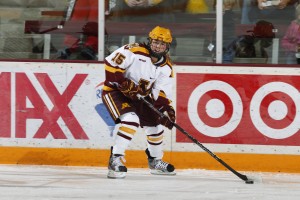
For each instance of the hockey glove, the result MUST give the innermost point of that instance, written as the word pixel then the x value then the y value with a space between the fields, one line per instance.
pixel 129 89
pixel 168 121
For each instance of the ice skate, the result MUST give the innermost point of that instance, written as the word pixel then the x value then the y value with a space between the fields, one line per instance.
pixel 158 166
pixel 116 167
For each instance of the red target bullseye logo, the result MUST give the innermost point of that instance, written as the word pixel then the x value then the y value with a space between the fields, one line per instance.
pixel 221 102
pixel 269 111
pixel 275 112
pixel 240 108
pixel 215 108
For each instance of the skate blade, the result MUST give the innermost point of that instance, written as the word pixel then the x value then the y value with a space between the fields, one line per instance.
pixel 160 172
pixel 116 175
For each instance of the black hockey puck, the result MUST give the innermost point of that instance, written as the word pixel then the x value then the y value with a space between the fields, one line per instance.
pixel 249 181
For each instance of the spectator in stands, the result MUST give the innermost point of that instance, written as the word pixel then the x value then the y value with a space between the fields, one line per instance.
pixel 270 10
pixel 145 11
pixel 193 11
pixel 245 7
pixel 82 11
pixel 228 24
pixel 196 6
pixel 142 11
pixel 251 46
pixel 228 5
pixel 228 21
pixel 291 40
pixel 83 45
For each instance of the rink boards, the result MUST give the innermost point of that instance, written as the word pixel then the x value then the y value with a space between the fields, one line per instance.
pixel 52 113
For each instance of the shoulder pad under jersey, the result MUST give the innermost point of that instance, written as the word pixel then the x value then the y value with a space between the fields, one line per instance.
pixel 137 48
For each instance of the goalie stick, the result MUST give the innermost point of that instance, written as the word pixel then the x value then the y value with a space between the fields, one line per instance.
pixel 241 176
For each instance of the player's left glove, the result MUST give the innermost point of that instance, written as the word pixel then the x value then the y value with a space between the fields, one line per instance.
pixel 168 121
pixel 129 89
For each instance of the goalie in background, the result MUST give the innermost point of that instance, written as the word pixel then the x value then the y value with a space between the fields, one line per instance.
pixel 251 46
pixel 140 69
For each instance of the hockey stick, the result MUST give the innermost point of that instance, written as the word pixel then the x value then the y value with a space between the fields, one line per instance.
pixel 241 176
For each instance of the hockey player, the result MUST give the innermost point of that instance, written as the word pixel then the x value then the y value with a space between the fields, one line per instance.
pixel 143 69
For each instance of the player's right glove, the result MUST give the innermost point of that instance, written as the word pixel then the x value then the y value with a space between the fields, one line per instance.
pixel 168 121
pixel 129 89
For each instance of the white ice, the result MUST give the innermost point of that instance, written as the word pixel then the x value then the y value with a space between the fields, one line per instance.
pixel 28 182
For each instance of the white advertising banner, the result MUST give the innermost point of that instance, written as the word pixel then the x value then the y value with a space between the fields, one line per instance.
pixel 53 105
pixel 229 109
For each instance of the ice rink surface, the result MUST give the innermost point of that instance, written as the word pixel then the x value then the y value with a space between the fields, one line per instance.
pixel 28 182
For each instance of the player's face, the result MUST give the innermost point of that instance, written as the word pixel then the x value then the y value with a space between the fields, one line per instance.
pixel 158 46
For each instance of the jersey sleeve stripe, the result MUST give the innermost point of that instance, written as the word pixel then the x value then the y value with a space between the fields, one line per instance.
pixel 113 69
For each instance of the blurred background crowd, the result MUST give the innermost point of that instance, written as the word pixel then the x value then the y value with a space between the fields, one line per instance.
pixel 253 31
